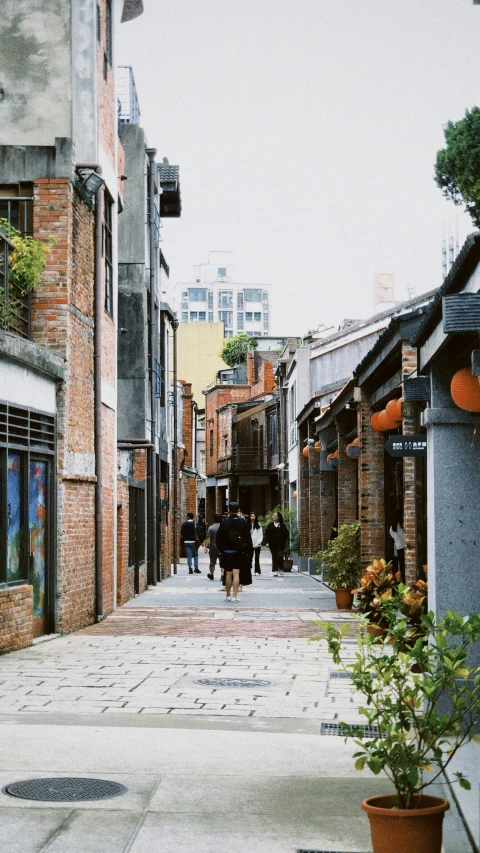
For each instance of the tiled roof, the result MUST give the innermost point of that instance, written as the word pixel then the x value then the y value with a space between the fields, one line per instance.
pixel 168 174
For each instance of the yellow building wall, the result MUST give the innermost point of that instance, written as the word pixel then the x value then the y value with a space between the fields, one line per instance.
pixel 198 360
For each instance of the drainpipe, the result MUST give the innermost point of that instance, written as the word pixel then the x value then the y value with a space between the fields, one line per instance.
pixel 152 476
pixel 97 388
pixel 175 448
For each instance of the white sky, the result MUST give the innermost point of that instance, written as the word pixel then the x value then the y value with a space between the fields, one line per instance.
pixel 306 133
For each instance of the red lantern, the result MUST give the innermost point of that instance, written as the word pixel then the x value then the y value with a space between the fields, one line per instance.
pixel 330 457
pixel 335 455
pixel 384 422
pixel 294 495
pixel 394 411
pixel 465 390
pixel 306 450
pixel 356 442
pixel 318 446
pixel 374 420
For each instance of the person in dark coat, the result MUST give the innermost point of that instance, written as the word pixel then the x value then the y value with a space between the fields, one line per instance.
pixel 276 537
pixel 234 543
pixel 191 537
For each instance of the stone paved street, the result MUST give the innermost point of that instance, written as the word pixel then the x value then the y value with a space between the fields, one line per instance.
pixel 208 768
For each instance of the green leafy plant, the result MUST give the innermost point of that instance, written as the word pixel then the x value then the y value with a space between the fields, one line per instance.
pixel 341 557
pixel 378 584
pixel 290 519
pixel 27 260
pixel 234 350
pixel 457 167
pixel 425 701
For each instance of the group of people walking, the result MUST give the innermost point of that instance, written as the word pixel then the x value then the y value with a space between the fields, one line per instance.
pixel 235 542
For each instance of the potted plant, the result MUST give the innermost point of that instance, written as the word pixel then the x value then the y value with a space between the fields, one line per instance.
pixel 422 720
pixel 377 585
pixel 342 566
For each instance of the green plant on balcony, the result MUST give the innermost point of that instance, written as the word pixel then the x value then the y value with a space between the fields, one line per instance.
pixel 26 261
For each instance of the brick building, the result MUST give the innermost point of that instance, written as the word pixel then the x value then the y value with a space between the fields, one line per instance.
pixel 59 161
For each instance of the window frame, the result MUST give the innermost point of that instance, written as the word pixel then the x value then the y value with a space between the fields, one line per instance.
pixel 108 253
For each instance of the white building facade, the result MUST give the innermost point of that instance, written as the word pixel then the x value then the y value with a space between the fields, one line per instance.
pixel 217 297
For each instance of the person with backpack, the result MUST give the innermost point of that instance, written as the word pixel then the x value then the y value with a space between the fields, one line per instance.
pixel 276 537
pixel 234 543
pixel 191 538
pixel 211 545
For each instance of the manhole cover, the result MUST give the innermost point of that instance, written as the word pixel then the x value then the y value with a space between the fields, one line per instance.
pixel 65 789
pixel 341 731
pixel 233 682
pixel 340 675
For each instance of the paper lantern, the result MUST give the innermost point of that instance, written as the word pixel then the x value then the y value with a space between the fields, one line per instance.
pixel 384 422
pixel 392 409
pixel 329 458
pixel 465 390
pixel 399 408
pixel 306 450
pixel 318 446
pixel 335 455
pixel 356 442
pixel 374 420
pixel 294 495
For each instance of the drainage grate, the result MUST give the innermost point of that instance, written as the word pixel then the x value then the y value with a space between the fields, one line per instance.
pixel 233 682
pixel 65 790
pixel 340 730
pixel 340 675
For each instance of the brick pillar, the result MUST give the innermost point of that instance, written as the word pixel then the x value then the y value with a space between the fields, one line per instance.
pixel 314 517
pixel 347 483
pixel 410 426
pixel 218 500
pixel 328 509
pixel 187 423
pixel 303 497
pixel 371 485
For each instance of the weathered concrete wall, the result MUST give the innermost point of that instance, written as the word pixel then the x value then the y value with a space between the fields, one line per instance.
pixel 35 71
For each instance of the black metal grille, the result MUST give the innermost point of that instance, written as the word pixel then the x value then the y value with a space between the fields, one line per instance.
pixel 27 428
pixel 233 682
pixel 339 730
pixel 341 675
pixel 65 790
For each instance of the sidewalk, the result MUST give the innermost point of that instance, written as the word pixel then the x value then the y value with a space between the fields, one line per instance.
pixel 208 768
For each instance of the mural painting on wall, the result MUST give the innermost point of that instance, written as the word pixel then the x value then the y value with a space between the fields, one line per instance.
pixel 14 492
pixel 37 517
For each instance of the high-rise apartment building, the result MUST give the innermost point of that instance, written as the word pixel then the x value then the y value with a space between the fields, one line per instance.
pixel 217 297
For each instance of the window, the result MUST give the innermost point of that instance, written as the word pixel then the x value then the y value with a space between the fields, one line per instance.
pixel 210 316
pixel 184 294
pixel 108 251
pixel 225 299
pixel 184 303
pixel 228 333
pixel 109 33
pixel 225 445
pixel 257 334
pixel 202 316
pixel 222 271
pixel 198 294
pixel 265 298
pixel 210 298
pixel 193 316
pixel 226 317
pixel 257 316
pixel 184 316
pixel 211 443
pixel 265 321
pixel 248 317
pixel 240 301
pixel 16 205
pixel 202 462
pixel 253 295
pixel 240 321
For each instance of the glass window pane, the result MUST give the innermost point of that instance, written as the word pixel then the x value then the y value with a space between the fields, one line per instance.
pixel 37 525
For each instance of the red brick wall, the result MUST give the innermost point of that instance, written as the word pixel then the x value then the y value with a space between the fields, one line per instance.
pixel 314 513
pixel 347 484
pixel 140 465
pixel 217 397
pixel 303 490
pixel 76 555
pixel 16 621
pixel 106 92
pixel 109 507
pixel 411 425
pixel 371 485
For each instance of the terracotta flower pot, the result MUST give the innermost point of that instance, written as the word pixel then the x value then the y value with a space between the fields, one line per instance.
pixel 416 830
pixel 376 630
pixel 344 599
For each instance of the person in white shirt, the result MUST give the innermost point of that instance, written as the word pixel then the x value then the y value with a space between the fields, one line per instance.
pixel 256 532
pixel 398 536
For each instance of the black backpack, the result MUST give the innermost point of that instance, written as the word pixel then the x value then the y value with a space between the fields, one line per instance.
pixel 228 538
